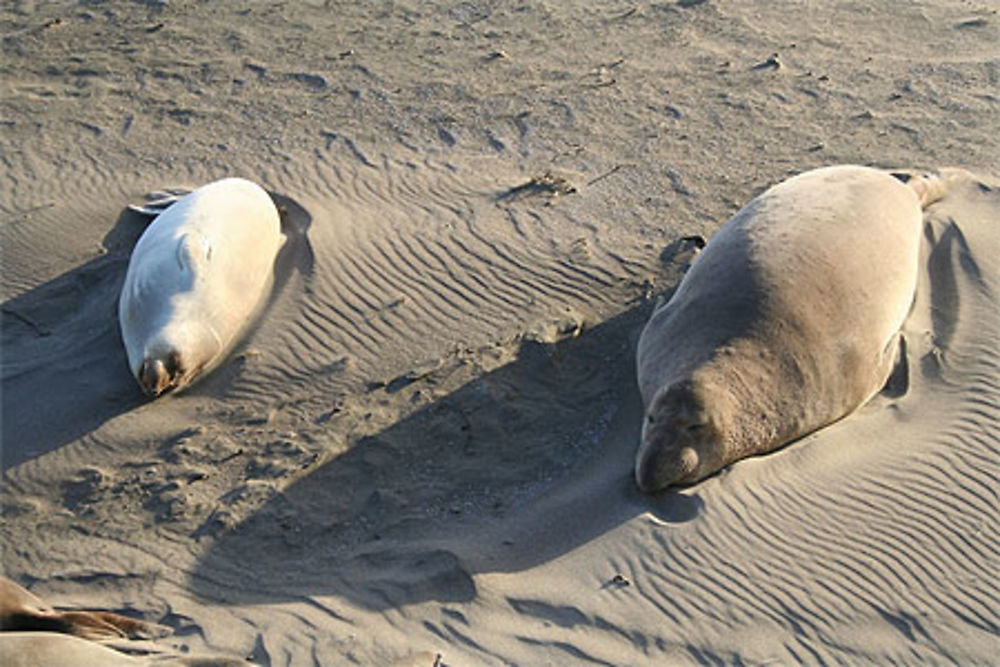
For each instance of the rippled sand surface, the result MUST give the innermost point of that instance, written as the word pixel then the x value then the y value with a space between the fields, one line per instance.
pixel 423 449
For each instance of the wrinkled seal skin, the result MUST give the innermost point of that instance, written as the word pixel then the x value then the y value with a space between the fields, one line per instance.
pixel 787 321
pixel 197 276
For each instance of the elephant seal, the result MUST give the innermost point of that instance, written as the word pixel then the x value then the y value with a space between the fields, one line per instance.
pixel 36 635
pixel 196 278
pixel 47 649
pixel 787 321
pixel 21 610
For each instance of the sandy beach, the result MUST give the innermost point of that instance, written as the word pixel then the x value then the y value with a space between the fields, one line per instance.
pixel 422 453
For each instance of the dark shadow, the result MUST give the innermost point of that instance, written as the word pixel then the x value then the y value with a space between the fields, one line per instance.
pixel 64 370
pixel 296 254
pixel 547 184
pixel 670 506
pixel 950 253
pixel 898 382
pixel 511 470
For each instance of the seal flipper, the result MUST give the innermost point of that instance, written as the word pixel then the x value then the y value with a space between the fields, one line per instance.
pixel 296 251
pixel 159 201
pixel 104 625
pixel 22 611
pixel 929 188
pixel 193 251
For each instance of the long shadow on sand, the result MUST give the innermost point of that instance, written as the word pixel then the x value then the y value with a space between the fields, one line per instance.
pixel 513 469
pixel 64 370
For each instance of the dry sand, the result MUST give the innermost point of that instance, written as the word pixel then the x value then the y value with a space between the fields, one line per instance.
pixel 425 447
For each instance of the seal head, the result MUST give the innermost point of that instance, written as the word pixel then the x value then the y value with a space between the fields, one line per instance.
pixel 175 358
pixel 681 439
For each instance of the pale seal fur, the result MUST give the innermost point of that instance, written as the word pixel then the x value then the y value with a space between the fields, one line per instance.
pixel 196 278
pixel 787 321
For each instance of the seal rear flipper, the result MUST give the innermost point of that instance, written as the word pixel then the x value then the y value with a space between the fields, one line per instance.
pixel 928 187
pixel 93 625
pixel 159 201
pixel 295 250
pixel 101 625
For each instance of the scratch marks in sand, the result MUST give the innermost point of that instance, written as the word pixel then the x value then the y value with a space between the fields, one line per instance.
pixel 409 254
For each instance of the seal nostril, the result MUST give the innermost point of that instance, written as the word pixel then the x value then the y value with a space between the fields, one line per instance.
pixel 158 375
pixel 150 376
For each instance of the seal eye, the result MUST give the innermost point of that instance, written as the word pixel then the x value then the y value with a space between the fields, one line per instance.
pixel 649 418
pixel 695 429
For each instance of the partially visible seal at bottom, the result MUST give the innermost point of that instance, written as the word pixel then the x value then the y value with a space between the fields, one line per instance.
pixel 36 635
pixel 21 610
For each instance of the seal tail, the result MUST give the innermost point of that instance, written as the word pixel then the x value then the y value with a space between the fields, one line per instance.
pixel 928 187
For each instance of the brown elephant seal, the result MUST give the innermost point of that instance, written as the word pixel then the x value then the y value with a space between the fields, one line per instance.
pixel 21 610
pixel 196 278
pixel 787 321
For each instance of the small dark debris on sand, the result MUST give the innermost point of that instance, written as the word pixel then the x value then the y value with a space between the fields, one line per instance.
pixel 546 184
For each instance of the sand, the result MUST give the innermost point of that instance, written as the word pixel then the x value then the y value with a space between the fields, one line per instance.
pixel 423 451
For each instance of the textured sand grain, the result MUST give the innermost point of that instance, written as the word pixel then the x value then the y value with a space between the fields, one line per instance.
pixel 425 445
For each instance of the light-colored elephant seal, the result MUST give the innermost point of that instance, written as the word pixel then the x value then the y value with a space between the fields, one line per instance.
pixel 787 321
pixel 196 278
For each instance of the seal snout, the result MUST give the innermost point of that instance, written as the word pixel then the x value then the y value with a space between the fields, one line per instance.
pixel 657 468
pixel 160 374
